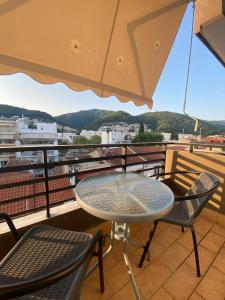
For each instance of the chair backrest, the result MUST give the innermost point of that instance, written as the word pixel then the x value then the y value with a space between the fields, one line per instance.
pixel 206 183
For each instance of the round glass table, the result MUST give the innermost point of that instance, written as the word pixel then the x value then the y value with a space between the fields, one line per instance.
pixel 124 198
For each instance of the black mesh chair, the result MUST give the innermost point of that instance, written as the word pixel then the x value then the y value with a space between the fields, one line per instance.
pixel 48 263
pixel 187 208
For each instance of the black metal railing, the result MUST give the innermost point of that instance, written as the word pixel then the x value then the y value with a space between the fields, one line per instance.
pixel 154 153
pixel 151 158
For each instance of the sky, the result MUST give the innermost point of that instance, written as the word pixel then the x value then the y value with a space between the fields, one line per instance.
pixel 206 91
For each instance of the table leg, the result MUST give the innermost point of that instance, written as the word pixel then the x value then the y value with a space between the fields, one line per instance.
pixel 129 269
pixel 120 231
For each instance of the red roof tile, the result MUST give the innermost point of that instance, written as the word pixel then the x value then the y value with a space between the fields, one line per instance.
pixel 26 190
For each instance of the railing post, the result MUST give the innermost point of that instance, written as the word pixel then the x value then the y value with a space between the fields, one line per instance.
pixel 124 152
pixel 76 177
pixel 164 148
pixel 46 183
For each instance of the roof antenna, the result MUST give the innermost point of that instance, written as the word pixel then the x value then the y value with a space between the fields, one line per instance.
pixel 188 73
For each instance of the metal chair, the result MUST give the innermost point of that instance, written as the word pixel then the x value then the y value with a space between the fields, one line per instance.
pixel 187 208
pixel 48 263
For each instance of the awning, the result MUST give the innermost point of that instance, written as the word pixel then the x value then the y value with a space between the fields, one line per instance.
pixel 113 47
pixel 210 26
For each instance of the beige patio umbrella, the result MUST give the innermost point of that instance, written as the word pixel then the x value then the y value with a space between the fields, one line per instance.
pixel 113 47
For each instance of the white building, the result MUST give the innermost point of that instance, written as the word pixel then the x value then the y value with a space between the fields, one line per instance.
pixel 166 136
pixel 62 128
pixel 24 131
pixel 66 136
pixel 115 135
pixel 7 131
pixel 35 132
pixel 184 137
pixel 89 133
pixel 7 138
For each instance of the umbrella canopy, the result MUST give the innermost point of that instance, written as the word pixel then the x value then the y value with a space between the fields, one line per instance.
pixel 113 47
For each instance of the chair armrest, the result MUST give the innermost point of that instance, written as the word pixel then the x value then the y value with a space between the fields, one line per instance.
pixel 9 222
pixel 197 196
pixel 20 289
pixel 178 172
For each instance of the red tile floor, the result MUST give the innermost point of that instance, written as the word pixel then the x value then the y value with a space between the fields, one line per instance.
pixel 170 273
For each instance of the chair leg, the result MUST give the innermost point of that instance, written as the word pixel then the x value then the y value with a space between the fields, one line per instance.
pixel 182 228
pixel 146 248
pixel 196 251
pixel 100 265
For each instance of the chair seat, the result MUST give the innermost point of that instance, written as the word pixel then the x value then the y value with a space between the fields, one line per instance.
pixel 44 249
pixel 178 215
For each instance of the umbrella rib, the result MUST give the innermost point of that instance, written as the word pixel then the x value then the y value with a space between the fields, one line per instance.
pixel 11 5
pixel 109 43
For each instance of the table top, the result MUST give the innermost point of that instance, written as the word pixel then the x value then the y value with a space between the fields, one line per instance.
pixel 124 197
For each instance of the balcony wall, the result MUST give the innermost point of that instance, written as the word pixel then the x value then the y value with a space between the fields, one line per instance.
pixel 214 163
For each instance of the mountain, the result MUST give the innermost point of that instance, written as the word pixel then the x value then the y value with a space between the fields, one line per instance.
pixel 10 111
pixel 163 121
pixel 81 119
pixel 94 118
pixel 220 124
pixel 174 122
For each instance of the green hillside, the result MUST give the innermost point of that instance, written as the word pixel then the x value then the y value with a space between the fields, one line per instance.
pixel 173 122
pixel 163 121
pixel 159 121
pixel 81 119
pixel 109 118
pixel 10 111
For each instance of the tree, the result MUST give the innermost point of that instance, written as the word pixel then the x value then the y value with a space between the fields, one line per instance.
pixel 148 137
pixel 174 136
pixel 95 139
pixel 141 128
pixel 80 140
pixel 63 142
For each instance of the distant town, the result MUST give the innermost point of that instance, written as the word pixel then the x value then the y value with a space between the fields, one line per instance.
pixel 22 130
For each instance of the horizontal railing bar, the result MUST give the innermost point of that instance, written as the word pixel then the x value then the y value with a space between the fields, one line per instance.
pixel 51 178
pixel 61 202
pixel 67 187
pixel 83 160
pixel 88 146
pixel 13 200
pixel 21 168
pixel 39 208
pixel 144 162
pixel 148 169
pixel 21 183
pixel 74 161
pixel 143 154
pixel 208 144
pixel 65 175
pixel 100 158
pixel 99 170
pixel 40 180
pixel 26 212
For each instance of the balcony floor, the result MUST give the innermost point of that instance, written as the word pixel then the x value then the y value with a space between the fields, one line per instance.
pixel 170 273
